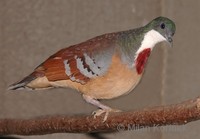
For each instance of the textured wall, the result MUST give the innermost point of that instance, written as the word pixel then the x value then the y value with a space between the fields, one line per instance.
pixel 32 30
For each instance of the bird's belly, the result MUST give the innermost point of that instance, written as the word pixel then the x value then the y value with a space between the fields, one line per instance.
pixel 111 87
pixel 105 87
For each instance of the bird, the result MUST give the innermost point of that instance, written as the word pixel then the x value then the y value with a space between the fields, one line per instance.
pixel 104 67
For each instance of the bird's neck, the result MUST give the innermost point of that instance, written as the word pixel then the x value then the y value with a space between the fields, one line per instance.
pixel 151 38
pixel 137 48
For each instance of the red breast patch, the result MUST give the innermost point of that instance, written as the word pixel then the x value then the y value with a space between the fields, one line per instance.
pixel 142 59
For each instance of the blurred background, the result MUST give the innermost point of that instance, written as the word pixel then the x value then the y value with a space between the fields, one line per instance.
pixel 32 30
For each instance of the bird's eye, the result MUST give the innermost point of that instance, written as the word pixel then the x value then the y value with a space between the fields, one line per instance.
pixel 162 26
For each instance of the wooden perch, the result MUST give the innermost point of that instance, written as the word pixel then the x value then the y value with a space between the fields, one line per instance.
pixel 177 114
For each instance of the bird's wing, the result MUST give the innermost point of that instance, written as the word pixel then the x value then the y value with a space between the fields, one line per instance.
pixel 80 62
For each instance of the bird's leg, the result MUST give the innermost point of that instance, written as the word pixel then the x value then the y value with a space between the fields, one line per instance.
pixel 103 108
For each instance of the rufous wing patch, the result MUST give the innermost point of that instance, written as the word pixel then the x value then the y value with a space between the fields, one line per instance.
pixel 76 75
pixel 59 68
pixel 54 69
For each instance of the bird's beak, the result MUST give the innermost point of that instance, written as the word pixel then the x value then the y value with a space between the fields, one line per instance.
pixel 169 39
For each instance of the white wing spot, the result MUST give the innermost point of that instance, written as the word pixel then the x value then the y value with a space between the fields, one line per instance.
pixel 83 70
pixel 90 62
pixel 57 58
pixel 67 68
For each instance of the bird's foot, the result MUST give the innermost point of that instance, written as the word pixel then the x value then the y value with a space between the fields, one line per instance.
pixel 103 108
pixel 106 111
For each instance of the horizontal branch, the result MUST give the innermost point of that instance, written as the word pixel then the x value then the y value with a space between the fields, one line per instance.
pixel 176 114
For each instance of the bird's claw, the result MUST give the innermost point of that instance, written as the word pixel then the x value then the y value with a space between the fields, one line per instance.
pixel 102 111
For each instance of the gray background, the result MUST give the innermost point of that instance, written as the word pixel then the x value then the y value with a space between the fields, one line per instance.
pixel 32 30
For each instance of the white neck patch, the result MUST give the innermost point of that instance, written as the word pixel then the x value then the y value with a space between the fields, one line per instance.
pixel 151 38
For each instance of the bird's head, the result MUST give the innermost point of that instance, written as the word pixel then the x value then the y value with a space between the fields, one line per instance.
pixel 164 26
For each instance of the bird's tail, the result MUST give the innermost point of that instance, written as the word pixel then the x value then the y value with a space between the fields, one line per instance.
pixel 22 84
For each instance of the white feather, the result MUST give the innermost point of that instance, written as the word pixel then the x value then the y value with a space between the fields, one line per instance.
pixel 81 68
pixel 151 38
pixel 92 65
pixel 67 68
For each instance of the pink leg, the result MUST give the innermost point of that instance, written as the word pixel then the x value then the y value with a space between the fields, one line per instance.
pixel 95 102
pixel 103 108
